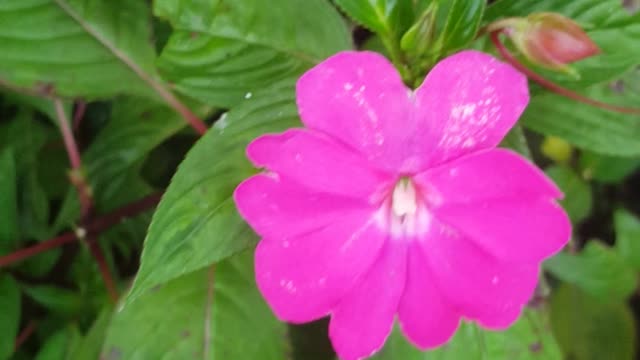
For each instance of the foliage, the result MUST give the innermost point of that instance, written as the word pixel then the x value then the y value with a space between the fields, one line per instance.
pixel 128 280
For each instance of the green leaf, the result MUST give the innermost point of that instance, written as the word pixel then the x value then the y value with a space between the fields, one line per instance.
pixel 56 299
pixel 517 141
pixel 136 127
pixel 9 315
pixel 214 314
pixel 587 329
pixel 586 127
pixel 461 26
pixel 59 345
pixel 223 51
pixel 606 22
pixel 627 228
pixel 90 345
pixel 597 269
pixel 9 231
pixel 196 223
pixel 605 168
pixel 389 18
pixel 527 339
pixel 89 48
pixel 577 199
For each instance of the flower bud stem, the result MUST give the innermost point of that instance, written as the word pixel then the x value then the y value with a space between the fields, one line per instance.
pixel 548 84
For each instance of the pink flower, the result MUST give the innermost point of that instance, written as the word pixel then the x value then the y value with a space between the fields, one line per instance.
pixel 394 203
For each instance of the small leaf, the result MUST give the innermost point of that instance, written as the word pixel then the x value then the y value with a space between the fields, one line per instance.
pixel 9 315
pixel 627 228
pixel 59 345
pixel 214 314
pixel 136 127
pixel 90 345
pixel 462 24
pixel 9 231
pixel 597 269
pixel 389 18
pixel 56 299
pixel 517 141
pixel 588 329
pixel 196 223
pixel 577 199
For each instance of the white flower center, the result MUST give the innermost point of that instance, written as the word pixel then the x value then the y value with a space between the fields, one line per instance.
pixel 403 200
pixel 406 213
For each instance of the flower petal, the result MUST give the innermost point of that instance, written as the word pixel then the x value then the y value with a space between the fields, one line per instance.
pixel 318 162
pixel 514 230
pixel 426 316
pixel 469 101
pixel 304 277
pixel 485 175
pixel 482 287
pixel 364 318
pixel 275 206
pixel 359 98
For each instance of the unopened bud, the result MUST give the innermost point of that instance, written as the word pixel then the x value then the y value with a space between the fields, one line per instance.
pixel 547 39
pixel 420 36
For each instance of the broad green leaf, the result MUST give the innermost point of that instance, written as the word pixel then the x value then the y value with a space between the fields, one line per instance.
pixel 587 329
pixel 90 48
pixel 527 339
pixel 136 127
pixel 627 227
pixel 614 30
pixel 584 126
pixel 59 345
pixel 597 269
pixel 577 199
pixel 214 313
pixel 607 169
pixel 9 230
pixel 196 223
pixel 461 26
pixel 223 51
pixel 517 141
pixel 9 315
pixel 389 18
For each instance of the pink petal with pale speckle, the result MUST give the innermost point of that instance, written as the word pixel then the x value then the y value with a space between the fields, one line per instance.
pixel 470 101
pixel 304 277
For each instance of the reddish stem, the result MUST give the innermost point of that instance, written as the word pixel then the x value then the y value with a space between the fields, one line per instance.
pixel 81 108
pixel 25 334
pixel 196 123
pixel 76 177
pixel 98 255
pixel 94 227
pixel 504 52
pixel 67 135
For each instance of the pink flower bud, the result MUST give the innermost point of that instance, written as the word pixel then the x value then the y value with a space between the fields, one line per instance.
pixel 547 39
